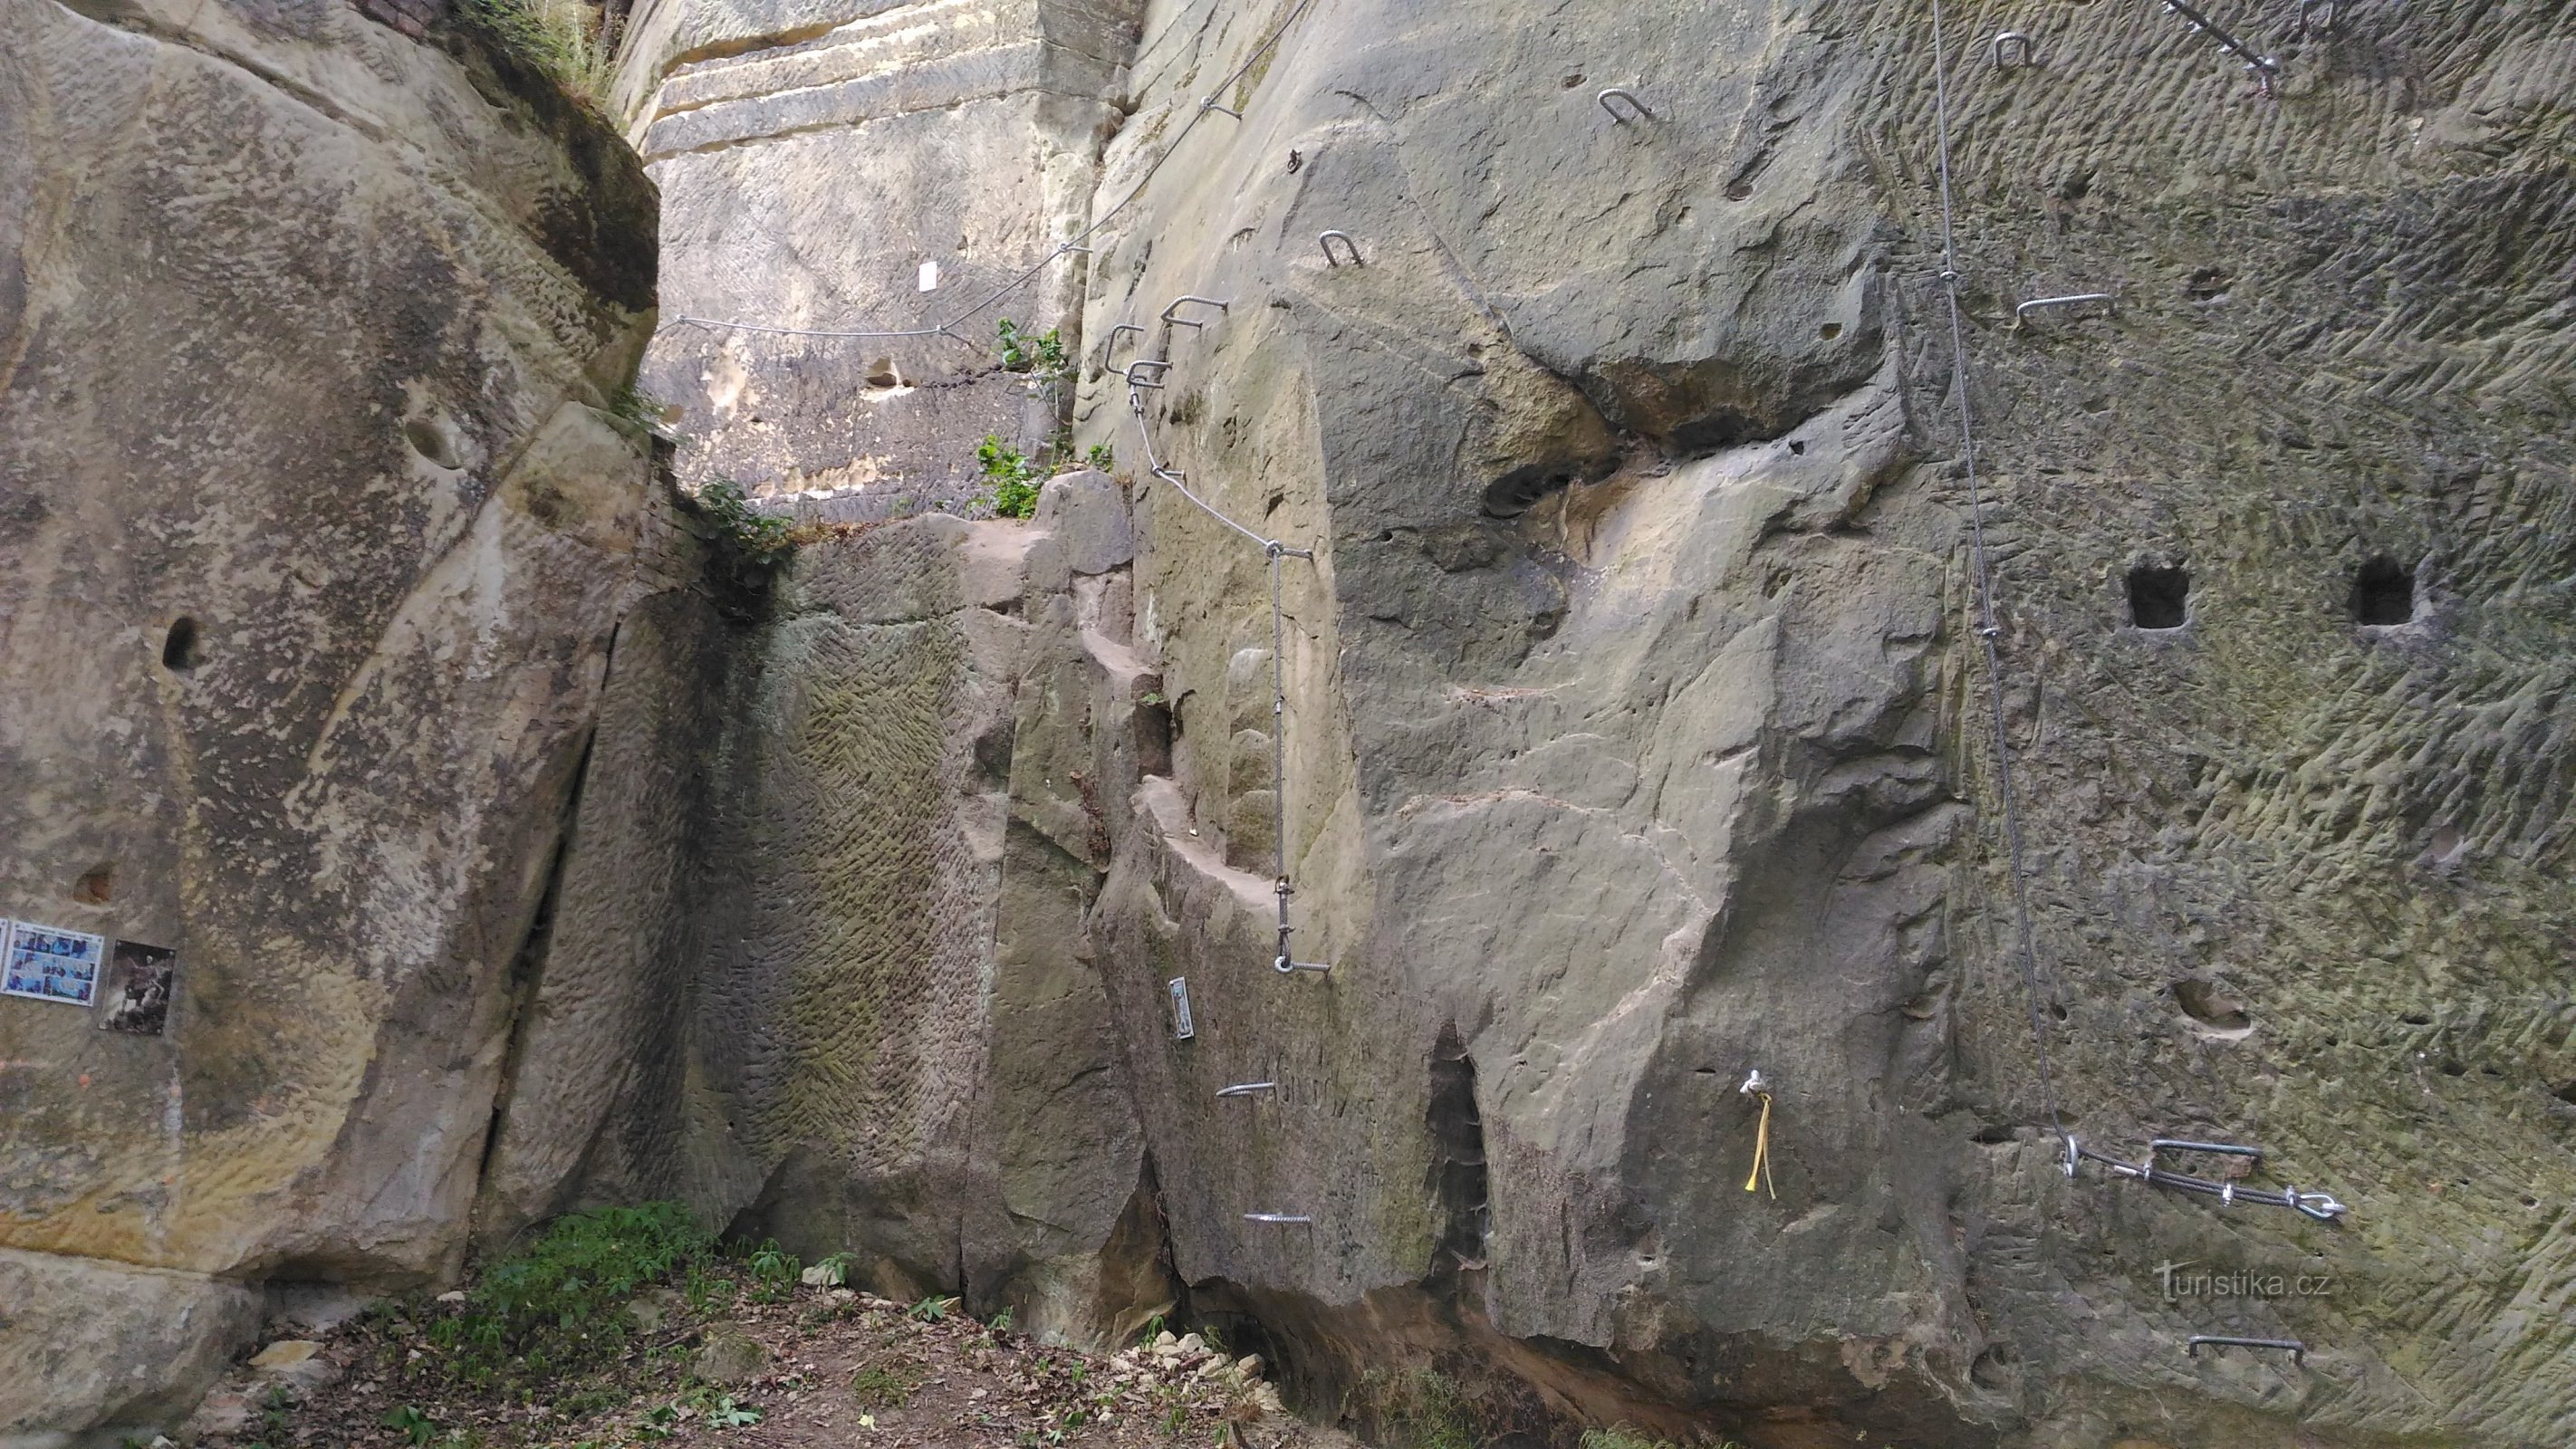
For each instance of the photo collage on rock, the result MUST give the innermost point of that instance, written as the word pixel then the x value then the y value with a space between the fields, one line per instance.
pixel 48 963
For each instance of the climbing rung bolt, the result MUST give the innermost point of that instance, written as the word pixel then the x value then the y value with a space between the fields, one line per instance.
pixel 1183 1028
pixel 2110 307
pixel 1170 312
pixel 2297 1351
pixel 1622 93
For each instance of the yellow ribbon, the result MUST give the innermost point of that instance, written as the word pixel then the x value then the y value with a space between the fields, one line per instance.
pixel 1761 1172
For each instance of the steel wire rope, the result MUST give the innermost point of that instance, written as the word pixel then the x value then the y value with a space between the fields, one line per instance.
pixel 1071 244
pixel 1987 630
pixel 1274 552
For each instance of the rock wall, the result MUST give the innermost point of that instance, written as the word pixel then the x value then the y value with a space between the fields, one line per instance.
pixel 1605 795
pixel 1638 725
pixel 320 526
pixel 861 166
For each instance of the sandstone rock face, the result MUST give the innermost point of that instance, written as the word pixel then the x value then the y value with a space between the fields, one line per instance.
pixel 1681 772
pixel 856 166
pixel 773 989
pixel 320 525
pixel 1638 730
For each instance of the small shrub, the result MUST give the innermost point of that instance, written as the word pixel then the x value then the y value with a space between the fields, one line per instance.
pixel 932 1309
pixel 412 1424
pixel 834 1270
pixel 1424 1410
pixel 632 404
pixel 1014 479
pixel 762 536
pixel 1002 1321
pixel 1102 457
pixel 1041 353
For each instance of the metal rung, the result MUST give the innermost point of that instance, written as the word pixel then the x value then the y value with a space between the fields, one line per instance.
pixel 1111 345
pixel 2298 1351
pixel 1277 1218
pixel 1284 965
pixel 2022 312
pixel 1208 103
pixel 2014 51
pixel 1129 372
pixel 1625 94
pixel 1180 302
pixel 1326 242
pixel 1183 1027
pixel 1246 1089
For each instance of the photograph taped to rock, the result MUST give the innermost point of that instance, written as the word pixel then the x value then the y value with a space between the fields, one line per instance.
pixel 52 965
pixel 143 979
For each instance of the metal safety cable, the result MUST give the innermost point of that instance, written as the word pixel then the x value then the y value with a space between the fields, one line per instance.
pixel 1275 551
pixel 1987 630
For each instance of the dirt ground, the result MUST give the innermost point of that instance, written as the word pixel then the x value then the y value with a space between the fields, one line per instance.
pixel 794 1366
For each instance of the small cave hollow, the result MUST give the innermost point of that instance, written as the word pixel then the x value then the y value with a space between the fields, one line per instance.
pixel 2210 1004
pixel 2383 593
pixel 1153 725
pixel 97 885
pixel 2159 596
pixel 181 649
pixel 1516 492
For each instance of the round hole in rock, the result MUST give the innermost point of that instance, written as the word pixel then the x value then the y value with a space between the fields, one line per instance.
pixel 96 885
pixel 2159 596
pixel 430 441
pixel 2205 1002
pixel 2383 593
pixel 179 649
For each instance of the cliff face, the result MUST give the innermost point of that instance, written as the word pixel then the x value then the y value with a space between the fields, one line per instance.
pixel 1638 729
pixel 1639 722
pixel 319 526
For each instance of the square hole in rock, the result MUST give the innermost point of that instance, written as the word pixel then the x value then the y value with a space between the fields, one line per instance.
pixel 2383 593
pixel 2159 597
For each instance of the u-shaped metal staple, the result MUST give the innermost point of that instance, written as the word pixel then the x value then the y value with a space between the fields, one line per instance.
pixel 1625 94
pixel 2015 51
pixel 2297 1351
pixel 1326 242
pixel 1111 346
pixel 1208 103
pixel 2317 17
pixel 2022 313
pixel 1129 372
pixel 1300 1218
pixel 1179 302
pixel 1246 1089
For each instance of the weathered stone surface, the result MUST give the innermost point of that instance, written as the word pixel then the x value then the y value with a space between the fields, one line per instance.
pixel 319 529
pixel 814 159
pixel 729 1356
pixel 1680 773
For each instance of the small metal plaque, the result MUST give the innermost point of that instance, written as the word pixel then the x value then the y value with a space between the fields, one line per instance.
pixel 1183 1028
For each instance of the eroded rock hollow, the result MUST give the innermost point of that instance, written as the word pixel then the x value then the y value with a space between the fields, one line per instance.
pixel 1532 517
